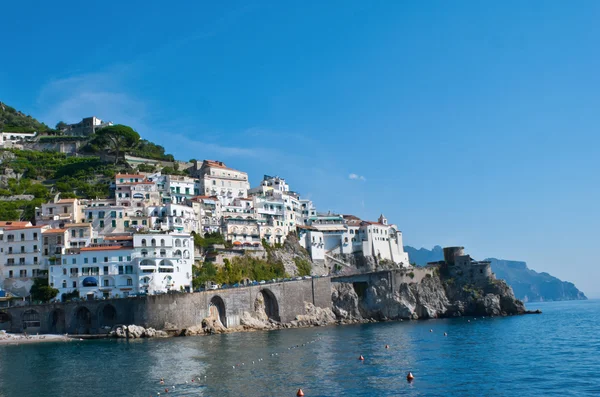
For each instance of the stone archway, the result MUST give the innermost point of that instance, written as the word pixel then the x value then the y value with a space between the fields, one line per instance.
pixel 216 310
pixel 5 321
pixel 107 316
pixel 31 321
pixel 57 322
pixel 83 320
pixel 266 303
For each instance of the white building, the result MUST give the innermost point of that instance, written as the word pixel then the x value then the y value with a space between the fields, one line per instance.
pixel 216 179
pixel 20 256
pixel 182 188
pixel 154 263
pixel 9 139
pixel 208 212
pixel 329 235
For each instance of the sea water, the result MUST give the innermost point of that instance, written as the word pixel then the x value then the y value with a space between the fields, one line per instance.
pixel 555 353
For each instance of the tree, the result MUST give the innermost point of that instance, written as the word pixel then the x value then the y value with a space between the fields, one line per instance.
pixel 41 291
pixel 116 138
pixel 61 125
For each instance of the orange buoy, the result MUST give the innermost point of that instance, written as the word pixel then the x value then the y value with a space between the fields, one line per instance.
pixel 410 377
pixel 166 390
pixel 361 358
pixel 300 393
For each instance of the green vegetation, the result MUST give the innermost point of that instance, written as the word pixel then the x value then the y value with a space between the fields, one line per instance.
pixel 149 150
pixel 117 139
pixel 12 120
pixel 304 267
pixel 208 239
pixel 41 292
pixel 61 138
pixel 411 275
pixel 232 272
pixel 67 297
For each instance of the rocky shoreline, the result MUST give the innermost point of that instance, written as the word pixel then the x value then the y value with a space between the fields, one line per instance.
pixel 432 297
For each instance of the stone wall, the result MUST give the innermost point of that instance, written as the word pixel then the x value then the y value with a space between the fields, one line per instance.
pixel 176 311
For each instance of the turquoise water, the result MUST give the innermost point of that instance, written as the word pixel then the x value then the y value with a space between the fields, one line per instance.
pixel 556 353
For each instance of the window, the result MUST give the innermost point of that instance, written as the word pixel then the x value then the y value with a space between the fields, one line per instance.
pixel 129 258
pixel 144 222
pixel 35 248
pixel 64 272
pixel 74 284
pixel 23 273
pixel 129 282
pixel 35 260
pixel 126 223
pixel 120 269
pixel 106 283
pixel 94 260
pixel 101 223
pixel 22 249
pixel 162 242
pixel 114 223
pixel 105 270
pixel 10 274
pixel 73 232
pixel 153 242
pixel 85 260
pixel 143 242
pixel 46 240
pixel 120 259
pixel 35 236
pixel 21 261
pixel 113 214
pixel 80 233
pixel 22 236
pixel 106 259
pixel 64 284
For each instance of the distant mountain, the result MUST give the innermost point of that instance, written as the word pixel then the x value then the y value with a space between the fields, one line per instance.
pixel 528 285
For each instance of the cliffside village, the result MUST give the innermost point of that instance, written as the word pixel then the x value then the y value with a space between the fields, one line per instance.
pixel 140 241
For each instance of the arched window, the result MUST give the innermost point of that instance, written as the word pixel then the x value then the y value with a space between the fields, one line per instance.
pixel 153 242
pixel 177 253
pixel 163 252
pixel 177 243
pixel 144 253
pixel 185 243
pixel 143 242
pixel 186 254
pixel 162 242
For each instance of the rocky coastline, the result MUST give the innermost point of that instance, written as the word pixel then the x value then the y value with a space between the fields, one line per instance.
pixel 433 296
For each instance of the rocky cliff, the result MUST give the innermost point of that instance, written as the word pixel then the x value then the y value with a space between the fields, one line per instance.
pixel 434 296
pixel 527 284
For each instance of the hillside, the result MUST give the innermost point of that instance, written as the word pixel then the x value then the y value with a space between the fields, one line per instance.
pixel 44 173
pixel 528 285
pixel 13 120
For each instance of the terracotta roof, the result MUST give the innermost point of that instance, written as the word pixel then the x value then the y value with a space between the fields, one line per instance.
pixel 118 238
pixel 104 248
pixel 21 227
pixel 129 176
pixel 53 231
pixel 14 223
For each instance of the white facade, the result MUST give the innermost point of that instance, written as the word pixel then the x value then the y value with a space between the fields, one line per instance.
pixel 216 179
pixel 156 263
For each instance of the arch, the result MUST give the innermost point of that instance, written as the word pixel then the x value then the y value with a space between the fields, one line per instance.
pixel 216 308
pixel 267 302
pixel 153 242
pixel 31 320
pixel 186 254
pixel 83 320
pixel 5 321
pixel 147 262
pixel 177 242
pixel 162 242
pixel 107 316
pixel 177 254
pixel 143 242
pixel 185 243
pixel 58 322
pixel 165 262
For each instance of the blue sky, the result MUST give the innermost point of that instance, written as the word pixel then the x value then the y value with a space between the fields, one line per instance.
pixel 471 123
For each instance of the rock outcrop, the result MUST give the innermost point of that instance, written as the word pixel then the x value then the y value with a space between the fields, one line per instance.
pixel 136 332
pixel 431 297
